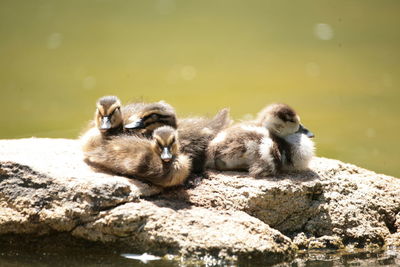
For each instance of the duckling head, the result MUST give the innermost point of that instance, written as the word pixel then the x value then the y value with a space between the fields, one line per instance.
pixel 108 113
pixel 282 120
pixel 151 116
pixel 165 143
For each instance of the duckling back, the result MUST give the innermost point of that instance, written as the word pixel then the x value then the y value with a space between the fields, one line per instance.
pixel 244 148
pixel 196 133
pixel 134 156
pixel 125 155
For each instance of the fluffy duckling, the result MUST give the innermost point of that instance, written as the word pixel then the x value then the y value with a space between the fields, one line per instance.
pixel 292 138
pixel 108 121
pixel 108 116
pixel 196 133
pixel 155 160
pixel 144 118
pixel 275 141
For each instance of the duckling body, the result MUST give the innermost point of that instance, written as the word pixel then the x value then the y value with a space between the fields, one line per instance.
pixel 244 148
pixel 155 160
pixel 196 133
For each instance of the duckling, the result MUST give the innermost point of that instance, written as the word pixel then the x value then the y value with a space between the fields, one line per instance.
pixel 275 141
pixel 156 160
pixel 196 133
pixel 292 138
pixel 107 122
pixel 144 118
pixel 108 116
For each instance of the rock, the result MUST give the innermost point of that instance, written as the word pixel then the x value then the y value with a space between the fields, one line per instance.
pixel 323 242
pixel 331 199
pixel 157 227
pixel 46 189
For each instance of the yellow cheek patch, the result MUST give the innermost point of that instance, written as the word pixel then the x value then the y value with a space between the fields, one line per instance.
pixel 148 113
pixel 100 110
pixel 171 139
pixel 112 108
pixel 160 141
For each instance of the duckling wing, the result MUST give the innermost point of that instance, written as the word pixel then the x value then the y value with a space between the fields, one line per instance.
pixel 133 156
pixel 220 121
pixel 126 155
pixel 196 133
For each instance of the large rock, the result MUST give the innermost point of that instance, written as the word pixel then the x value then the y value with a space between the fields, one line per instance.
pixel 46 189
pixel 354 205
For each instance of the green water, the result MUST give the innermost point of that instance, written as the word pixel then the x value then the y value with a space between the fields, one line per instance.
pixel 109 258
pixel 336 62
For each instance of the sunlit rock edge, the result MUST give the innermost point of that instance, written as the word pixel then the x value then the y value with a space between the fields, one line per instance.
pixel 46 189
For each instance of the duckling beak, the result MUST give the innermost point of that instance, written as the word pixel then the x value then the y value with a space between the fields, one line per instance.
pixel 166 154
pixel 305 131
pixel 105 123
pixel 135 125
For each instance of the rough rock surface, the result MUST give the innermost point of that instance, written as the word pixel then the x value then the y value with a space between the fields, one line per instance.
pixel 46 188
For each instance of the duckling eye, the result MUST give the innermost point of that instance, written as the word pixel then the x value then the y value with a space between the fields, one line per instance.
pixel 172 141
pixel 159 144
pixel 154 116
pixel 287 119
pixel 112 113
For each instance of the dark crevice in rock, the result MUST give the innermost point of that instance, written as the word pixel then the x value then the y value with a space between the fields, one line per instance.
pixel 116 205
pixel 170 203
pixel 391 227
pixel 316 196
pixel 390 222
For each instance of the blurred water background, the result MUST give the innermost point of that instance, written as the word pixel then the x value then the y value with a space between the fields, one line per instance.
pixel 336 62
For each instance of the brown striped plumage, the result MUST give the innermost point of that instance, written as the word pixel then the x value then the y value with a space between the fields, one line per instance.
pixel 139 157
pixel 144 118
pixel 141 121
